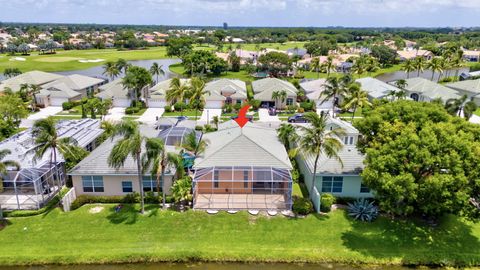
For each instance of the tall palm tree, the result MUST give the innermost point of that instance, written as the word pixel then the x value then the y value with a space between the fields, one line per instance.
pixel 419 64
pixel 130 144
pixel 356 98
pixel 137 79
pixel 435 66
pixel 329 65
pixel 287 134
pixel 122 65
pixel 408 66
pixel 46 140
pixel 316 139
pixel 401 84
pixel 194 145
pixel 458 106
pixel 177 91
pixel 315 66
pixel 4 164
pixel 197 93
pixel 34 90
pixel 334 88
pixel 158 158
pixel 156 70
pixel 111 70
pixel 279 96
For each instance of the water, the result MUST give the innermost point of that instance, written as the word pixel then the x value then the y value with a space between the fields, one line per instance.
pixel 427 74
pixel 207 266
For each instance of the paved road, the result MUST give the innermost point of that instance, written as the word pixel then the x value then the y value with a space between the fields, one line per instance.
pixel 43 113
pixel 150 115
pixel 265 117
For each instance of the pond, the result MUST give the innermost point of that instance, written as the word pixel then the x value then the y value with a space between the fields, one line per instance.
pixel 427 74
pixel 207 266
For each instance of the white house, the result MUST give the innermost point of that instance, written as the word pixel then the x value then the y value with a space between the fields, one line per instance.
pixel 224 91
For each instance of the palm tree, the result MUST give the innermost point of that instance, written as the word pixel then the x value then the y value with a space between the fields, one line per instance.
pixel 215 121
pixel 34 90
pixel 197 93
pixel 401 84
pixel 456 106
pixel 315 65
pixel 419 64
pixel 279 96
pixel 408 66
pixel 434 65
pixel 46 139
pixel 328 65
pixel 122 65
pixel 181 191
pixel 130 144
pixel 137 79
pixel 177 91
pixel 157 156
pixel 111 70
pixel 156 70
pixel 334 88
pixel 287 134
pixel 194 145
pixel 4 164
pixel 357 98
pixel 316 139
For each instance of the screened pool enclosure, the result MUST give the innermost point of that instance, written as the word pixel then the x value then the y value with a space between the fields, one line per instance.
pixel 242 187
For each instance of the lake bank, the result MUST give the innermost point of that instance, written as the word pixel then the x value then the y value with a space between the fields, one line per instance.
pixel 87 237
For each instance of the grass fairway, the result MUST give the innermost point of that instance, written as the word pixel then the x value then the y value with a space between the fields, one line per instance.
pixel 68 60
pixel 84 237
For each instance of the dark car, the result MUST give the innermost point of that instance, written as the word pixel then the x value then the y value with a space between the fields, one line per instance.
pixel 181 118
pixel 297 118
pixel 272 111
pixel 249 117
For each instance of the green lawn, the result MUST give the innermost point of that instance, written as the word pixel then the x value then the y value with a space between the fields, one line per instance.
pixel 67 117
pixel 184 113
pixel 241 75
pixel 84 237
pixel 477 112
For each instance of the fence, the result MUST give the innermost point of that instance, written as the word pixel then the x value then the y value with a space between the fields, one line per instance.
pixel 68 199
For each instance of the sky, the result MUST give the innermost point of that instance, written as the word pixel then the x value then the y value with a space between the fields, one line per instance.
pixel 318 13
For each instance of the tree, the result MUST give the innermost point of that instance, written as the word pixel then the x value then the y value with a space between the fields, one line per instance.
pixel 279 96
pixel 419 64
pixel 23 49
pixel 234 61
pixel 11 48
pixel 287 134
pixel 11 72
pixel 111 70
pixel 335 88
pixel 4 164
pixel 157 157
pixel 275 63
pixel 203 62
pixel 129 144
pixel 181 191
pixel 29 92
pixel 328 65
pixel 320 47
pixel 434 65
pixel 177 92
pixel 179 46
pixel 408 66
pixel 137 79
pixel 193 144
pixel 215 121
pixel 315 66
pixel 356 98
pixel 384 54
pixel 316 139
pixel 461 106
pixel 12 109
pixel 420 160
pixel 197 93
pixel 122 65
pixel 156 70
pixel 47 141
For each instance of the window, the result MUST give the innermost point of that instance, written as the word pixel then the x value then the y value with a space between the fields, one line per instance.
pixel 216 176
pixel 364 189
pixel 348 140
pixel 333 184
pixel 245 179
pixel 127 186
pixel 92 183
pixel 289 101
pixel 150 184
pixel 239 101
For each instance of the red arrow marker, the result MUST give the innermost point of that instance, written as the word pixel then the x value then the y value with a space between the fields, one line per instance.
pixel 241 118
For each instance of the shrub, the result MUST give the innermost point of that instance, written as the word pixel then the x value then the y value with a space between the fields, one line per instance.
pixel 209 128
pixel 475 67
pixel 345 200
pixel 138 103
pixel 254 103
pixel 307 105
pixel 447 79
pixel 227 108
pixel 180 106
pixel 132 110
pixel 291 108
pixel 67 105
pixel 326 201
pixel 302 206
pixel 363 210
pixel 85 199
pixel 237 106
pixel 168 108
pixel 301 110
pixel 199 128
pixel 151 198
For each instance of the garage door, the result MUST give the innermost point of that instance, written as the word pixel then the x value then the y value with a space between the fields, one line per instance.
pixel 214 104
pixel 57 101
pixel 121 102
pixel 156 103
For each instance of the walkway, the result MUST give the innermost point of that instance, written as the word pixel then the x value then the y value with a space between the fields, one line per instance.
pixel 208 115
pixel 475 119
pixel 43 113
pixel 115 114
pixel 150 115
pixel 265 117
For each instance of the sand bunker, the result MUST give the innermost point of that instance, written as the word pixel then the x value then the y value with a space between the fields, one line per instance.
pixel 91 60
pixel 18 59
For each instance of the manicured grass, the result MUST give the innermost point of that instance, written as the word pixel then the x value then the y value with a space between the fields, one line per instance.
pixel 66 117
pixel 184 113
pixel 358 113
pixel 68 60
pixel 276 46
pixel 77 110
pixel 477 112
pixel 127 236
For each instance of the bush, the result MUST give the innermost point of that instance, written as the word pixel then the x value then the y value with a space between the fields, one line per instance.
pixel 138 103
pixel 237 106
pixel 254 103
pixel 307 105
pixel 363 210
pixel 345 200
pixel 67 105
pixel 209 128
pixel 168 108
pixel 130 198
pixel 302 206
pixel 301 110
pixel 132 110
pixel 326 201
pixel 180 106
pixel 475 67
pixel 447 79
pixel 199 128
pixel 291 108
pixel 227 108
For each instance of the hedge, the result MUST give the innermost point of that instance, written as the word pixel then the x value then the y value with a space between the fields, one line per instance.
pixel 127 199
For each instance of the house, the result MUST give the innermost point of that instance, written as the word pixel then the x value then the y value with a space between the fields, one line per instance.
pixel 420 89
pixel 341 179
pixel 243 169
pixel 39 180
pixel 93 175
pixel 409 54
pixel 471 56
pixel 68 88
pixel 34 77
pixel 158 93
pixel 224 91
pixel 470 88
pixel 297 52
pixel 263 90
pixel 115 91
pixel 375 88
pixel 314 91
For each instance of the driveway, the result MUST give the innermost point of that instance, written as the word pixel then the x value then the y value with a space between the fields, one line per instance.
pixel 208 114
pixel 115 114
pixel 43 113
pixel 265 117
pixel 474 119
pixel 150 115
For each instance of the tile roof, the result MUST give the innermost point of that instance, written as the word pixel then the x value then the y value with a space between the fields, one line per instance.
pixel 471 86
pixel 376 88
pixel 31 77
pixel 430 89
pixel 264 88
pixel 217 89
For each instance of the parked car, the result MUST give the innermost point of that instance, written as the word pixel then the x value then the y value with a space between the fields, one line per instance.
pixel 272 111
pixel 181 118
pixel 249 117
pixel 297 118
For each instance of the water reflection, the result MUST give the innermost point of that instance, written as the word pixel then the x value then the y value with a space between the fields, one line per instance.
pixel 427 74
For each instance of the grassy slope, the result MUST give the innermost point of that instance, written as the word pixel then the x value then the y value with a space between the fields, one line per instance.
pixel 68 60
pixel 82 237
